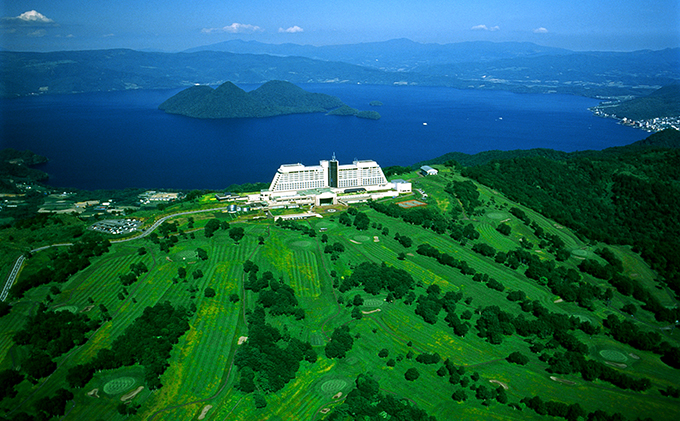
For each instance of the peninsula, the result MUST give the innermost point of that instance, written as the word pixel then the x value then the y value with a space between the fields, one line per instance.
pixel 229 101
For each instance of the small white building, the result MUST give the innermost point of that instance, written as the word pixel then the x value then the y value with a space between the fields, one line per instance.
pixel 427 170
pixel 401 186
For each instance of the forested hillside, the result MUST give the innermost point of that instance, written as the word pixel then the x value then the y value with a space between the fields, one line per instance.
pixel 229 101
pixel 628 197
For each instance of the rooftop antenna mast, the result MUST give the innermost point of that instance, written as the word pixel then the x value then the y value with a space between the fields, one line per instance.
pixel 333 159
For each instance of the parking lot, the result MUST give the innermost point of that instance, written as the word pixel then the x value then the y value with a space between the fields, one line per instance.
pixel 116 226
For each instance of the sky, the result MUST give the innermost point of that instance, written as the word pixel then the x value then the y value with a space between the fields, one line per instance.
pixel 176 25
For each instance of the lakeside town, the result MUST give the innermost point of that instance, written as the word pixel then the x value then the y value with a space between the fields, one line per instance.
pixel 651 125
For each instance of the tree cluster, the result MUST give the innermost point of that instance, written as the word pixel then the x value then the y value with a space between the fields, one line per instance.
pixel 269 360
pixel 376 278
pixel 426 217
pixel 146 341
pixel 64 264
pixel 555 409
pixel 466 193
pixel 296 226
pixel 629 333
pixel 53 332
pixel 341 342
pixel 366 402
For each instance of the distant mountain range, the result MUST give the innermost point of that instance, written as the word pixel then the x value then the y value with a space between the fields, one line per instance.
pixel 395 55
pixel 229 101
pixel 517 67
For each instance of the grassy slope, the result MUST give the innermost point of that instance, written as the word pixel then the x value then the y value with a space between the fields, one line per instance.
pixel 200 374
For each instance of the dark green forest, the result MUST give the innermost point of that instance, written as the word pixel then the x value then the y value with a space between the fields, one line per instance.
pixel 625 195
pixel 229 101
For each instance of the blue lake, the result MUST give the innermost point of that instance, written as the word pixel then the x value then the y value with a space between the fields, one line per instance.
pixel 116 140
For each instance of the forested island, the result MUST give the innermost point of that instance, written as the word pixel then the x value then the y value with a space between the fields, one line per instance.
pixel 514 284
pixel 229 101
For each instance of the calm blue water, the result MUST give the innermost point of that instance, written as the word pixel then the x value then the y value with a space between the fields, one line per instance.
pixel 120 139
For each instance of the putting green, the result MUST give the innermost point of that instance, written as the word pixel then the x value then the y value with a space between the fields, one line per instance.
pixel 582 318
pixel 302 244
pixel 72 309
pixel 317 340
pixel 326 224
pixel 580 253
pixel 119 385
pixel 497 215
pixel 373 302
pixel 614 356
pixel 184 255
pixel 361 238
pixel 333 386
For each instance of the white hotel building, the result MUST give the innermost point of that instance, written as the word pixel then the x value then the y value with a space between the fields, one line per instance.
pixel 323 183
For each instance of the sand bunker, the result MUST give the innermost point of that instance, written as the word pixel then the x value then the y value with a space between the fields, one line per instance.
pixel 325 410
pixel 355 242
pixel 94 393
pixel 337 395
pixel 500 383
pixel 619 365
pixel 559 300
pixel 131 395
pixel 204 412
pixel 633 356
pixel 557 379
pixel 242 340
pixel 372 311
pixel 168 258
pixel 376 239
pixel 86 309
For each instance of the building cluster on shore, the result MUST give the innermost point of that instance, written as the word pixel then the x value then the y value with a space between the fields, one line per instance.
pixel 651 125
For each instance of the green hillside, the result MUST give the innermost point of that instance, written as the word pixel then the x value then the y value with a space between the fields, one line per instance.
pixel 664 102
pixel 229 101
pixel 484 300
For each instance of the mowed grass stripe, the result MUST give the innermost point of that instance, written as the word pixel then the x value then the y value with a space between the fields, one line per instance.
pixel 495 239
pixel 305 274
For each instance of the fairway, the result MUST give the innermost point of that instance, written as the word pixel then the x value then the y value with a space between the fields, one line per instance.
pixel 279 288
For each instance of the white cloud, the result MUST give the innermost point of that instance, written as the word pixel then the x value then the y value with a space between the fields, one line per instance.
pixel 34 17
pixel 234 28
pixel 540 30
pixel 37 34
pixel 27 19
pixel 292 29
pixel 486 28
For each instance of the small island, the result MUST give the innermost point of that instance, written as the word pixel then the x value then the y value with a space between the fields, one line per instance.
pixel 346 110
pixel 229 101
pixel 375 104
pixel 371 115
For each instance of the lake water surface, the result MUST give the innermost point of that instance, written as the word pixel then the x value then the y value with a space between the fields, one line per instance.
pixel 114 140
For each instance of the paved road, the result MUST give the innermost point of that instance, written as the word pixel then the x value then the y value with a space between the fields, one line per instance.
pixel 20 261
pixel 17 266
